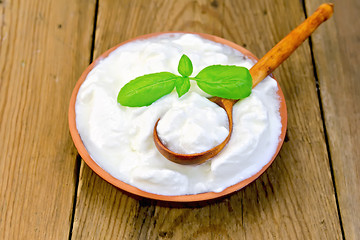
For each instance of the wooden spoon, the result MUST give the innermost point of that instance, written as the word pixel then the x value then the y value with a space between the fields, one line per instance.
pixel 266 65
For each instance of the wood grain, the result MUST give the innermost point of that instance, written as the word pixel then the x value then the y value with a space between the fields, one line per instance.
pixel 287 45
pixel 294 199
pixel 44 45
pixel 122 216
pixel 337 56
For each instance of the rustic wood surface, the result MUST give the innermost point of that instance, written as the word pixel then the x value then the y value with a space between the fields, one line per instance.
pixel 44 47
pixel 46 192
pixel 336 59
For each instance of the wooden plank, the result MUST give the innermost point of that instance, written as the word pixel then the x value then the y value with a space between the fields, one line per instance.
pixel 336 49
pixel 115 214
pixel 293 199
pixel 44 46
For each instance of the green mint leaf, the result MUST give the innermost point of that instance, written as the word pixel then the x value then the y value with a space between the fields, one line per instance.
pixel 182 85
pixel 144 90
pixel 230 82
pixel 185 67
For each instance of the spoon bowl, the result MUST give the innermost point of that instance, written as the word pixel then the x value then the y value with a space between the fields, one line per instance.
pixel 198 158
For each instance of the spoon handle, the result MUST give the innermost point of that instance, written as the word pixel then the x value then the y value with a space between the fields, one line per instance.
pixel 281 51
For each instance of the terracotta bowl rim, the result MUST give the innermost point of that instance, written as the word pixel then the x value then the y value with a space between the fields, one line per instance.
pixel 177 198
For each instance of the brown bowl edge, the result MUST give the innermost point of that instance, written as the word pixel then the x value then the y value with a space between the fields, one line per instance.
pixel 178 198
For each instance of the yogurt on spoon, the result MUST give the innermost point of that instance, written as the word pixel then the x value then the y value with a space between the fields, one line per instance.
pixel 119 139
pixel 193 125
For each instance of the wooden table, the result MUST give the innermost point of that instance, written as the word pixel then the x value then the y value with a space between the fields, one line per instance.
pixel 47 192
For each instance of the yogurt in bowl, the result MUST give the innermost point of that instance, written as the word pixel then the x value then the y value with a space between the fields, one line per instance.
pixel 116 141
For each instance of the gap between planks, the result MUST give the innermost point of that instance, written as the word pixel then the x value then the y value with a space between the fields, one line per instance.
pixel 324 126
pixel 78 157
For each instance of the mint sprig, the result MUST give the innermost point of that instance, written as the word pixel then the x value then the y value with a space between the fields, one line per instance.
pixel 182 85
pixel 224 81
pixel 231 82
pixel 185 67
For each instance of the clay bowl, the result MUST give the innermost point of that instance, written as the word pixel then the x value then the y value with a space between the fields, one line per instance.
pixel 133 190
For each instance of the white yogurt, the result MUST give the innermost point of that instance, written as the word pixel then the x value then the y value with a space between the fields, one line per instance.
pixel 193 125
pixel 119 139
